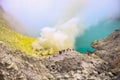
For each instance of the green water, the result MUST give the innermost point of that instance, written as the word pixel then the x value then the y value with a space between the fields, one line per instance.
pixel 96 32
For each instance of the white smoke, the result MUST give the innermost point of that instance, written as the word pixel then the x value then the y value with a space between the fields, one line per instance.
pixel 59 37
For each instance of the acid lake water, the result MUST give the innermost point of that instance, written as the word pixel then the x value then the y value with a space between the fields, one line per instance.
pixel 96 32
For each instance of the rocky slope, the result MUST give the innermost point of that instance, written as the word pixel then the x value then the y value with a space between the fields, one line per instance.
pixel 103 64
pixel 108 49
pixel 15 65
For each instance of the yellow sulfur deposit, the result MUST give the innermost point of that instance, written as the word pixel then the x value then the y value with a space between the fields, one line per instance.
pixel 21 42
pixel 16 40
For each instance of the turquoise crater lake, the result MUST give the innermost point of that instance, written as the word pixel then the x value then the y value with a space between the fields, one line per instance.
pixel 96 32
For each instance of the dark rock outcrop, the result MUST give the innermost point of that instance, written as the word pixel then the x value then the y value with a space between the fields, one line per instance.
pixel 103 64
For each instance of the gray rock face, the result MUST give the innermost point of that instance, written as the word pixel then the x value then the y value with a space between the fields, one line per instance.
pixel 14 65
pixel 103 64
pixel 108 49
pixel 74 66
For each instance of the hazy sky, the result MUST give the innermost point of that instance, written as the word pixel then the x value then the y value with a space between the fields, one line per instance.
pixel 40 13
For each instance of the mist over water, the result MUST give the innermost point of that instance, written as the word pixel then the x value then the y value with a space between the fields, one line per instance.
pixel 96 32
pixel 65 23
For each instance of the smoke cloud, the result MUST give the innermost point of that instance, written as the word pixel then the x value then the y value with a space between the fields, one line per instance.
pixel 59 37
